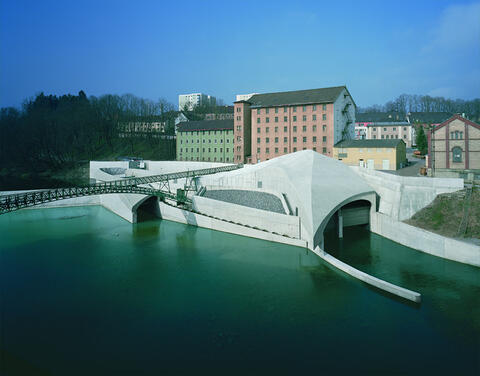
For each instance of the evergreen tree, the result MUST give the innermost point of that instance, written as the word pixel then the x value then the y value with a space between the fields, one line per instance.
pixel 421 140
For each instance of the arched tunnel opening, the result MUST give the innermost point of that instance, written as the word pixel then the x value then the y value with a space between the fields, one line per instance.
pixel 349 224
pixel 148 210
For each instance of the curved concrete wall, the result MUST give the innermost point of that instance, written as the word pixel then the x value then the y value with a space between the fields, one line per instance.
pixel 401 197
pixel 425 241
pixel 367 278
pixel 123 205
pixel 370 197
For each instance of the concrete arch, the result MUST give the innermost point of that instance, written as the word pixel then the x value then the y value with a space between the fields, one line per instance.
pixel 318 238
pixel 150 204
pixel 124 205
pixel 314 184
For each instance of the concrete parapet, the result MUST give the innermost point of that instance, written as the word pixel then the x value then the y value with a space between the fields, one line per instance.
pixel 425 241
pixel 373 281
pixel 273 222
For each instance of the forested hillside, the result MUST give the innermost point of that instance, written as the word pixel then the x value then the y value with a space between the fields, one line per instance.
pixel 52 137
pixel 424 103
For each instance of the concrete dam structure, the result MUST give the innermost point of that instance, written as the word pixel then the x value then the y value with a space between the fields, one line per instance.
pixel 297 195
pixel 292 199
pixel 312 187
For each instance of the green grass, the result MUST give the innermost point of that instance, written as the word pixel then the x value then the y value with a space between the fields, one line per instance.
pixel 444 215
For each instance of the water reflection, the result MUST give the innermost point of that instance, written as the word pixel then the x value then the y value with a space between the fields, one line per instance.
pixel 160 292
pixel 449 288
pixel 146 230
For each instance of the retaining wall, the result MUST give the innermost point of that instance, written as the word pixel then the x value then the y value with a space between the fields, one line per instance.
pixel 183 216
pixel 274 222
pixel 274 193
pixel 401 196
pixel 425 241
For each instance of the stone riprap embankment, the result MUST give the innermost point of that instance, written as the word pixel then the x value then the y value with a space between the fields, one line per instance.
pixel 252 199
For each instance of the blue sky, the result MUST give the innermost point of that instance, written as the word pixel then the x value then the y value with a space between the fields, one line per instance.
pixel 153 49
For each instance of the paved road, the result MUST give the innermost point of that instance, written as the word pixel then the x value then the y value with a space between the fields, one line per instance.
pixel 413 169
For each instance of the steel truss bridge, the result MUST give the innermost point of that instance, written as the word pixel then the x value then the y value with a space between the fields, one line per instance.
pixel 134 185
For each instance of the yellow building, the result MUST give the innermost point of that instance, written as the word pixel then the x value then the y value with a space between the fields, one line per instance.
pixel 374 154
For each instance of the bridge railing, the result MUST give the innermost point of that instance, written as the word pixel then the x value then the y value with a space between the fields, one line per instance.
pixel 131 185
pixel 172 176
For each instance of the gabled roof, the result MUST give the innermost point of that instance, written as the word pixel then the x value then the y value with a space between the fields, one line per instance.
pixel 375 117
pixel 455 117
pixel 205 125
pixel 298 97
pixel 382 143
pixel 428 117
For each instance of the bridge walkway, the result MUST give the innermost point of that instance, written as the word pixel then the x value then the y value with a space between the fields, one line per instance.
pixel 18 201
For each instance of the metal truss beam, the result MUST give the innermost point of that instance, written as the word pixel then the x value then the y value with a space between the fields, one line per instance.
pixel 17 201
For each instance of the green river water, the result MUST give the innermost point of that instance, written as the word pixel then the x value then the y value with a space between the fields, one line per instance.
pixel 84 292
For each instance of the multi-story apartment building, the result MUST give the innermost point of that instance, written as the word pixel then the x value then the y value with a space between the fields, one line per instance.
pixel 205 140
pixel 396 125
pixel 391 130
pixel 364 119
pixel 274 124
pixel 189 101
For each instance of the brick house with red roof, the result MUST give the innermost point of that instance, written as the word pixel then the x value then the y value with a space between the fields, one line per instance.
pixel 454 149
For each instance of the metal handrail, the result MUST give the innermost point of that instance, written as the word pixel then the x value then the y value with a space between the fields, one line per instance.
pixel 17 201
